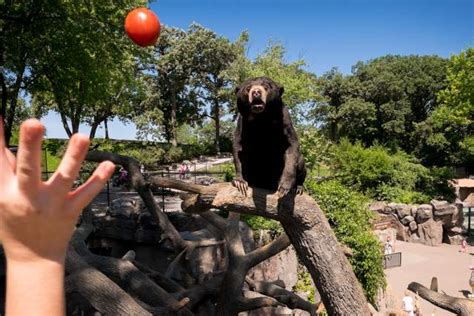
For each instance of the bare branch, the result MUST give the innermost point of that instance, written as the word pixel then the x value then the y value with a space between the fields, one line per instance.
pixel 457 305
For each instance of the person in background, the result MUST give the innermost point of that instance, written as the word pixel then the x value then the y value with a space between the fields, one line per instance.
pixel 388 248
pixel 464 245
pixel 408 305
pixel 37 218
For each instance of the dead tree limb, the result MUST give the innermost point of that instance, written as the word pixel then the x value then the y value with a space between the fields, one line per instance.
pixel 308 231
pixel 125 274
pixel 288 298
pixel 143 189
pixel 101 292
pixel 304 223
pixel 457 305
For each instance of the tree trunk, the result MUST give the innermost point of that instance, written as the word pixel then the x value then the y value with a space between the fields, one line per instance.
pixel 10 116
pixel 106 127
pixel 217 122
pixel 65 124
pixel 103 294
pixel 94 126
pixel 173 122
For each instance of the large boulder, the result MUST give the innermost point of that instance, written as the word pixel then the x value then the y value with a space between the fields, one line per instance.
pixel 378 206
pixel 431 232
pixel 413 226
pixel 402 210
pixel 389 208
pixel 124 207
pixel 407 220
pixel 423 213
pixel 283 266
pixel 453 236
pixel 442 208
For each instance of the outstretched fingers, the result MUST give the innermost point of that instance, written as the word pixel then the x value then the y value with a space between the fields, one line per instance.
pixel 28 162
pixel 68 170
pixel 86 192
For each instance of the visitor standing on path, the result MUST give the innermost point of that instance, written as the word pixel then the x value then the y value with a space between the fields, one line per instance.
pixel 408 305
pixel 388 249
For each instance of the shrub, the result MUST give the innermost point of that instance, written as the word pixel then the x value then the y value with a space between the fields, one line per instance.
pixel 379 173
pixel 350 218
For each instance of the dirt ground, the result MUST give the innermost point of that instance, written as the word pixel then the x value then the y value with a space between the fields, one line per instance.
pixel 420 263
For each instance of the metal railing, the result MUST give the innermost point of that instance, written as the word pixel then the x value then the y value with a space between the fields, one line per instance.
pixel 163 192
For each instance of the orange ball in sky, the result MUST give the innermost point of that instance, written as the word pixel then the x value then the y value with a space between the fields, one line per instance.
pixel 142 26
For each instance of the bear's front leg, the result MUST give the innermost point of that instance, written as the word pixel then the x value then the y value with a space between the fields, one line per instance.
pixel 286 184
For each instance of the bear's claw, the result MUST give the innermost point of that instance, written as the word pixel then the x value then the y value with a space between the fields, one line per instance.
pixel 241 185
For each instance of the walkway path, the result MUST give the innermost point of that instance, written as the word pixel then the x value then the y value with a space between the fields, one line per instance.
pixel 420 263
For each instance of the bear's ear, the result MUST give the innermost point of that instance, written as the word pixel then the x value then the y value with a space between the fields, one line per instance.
pixel 236 90
pixel 281 91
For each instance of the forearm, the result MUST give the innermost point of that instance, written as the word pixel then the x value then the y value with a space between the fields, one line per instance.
pixel 35 288
pixel 291 162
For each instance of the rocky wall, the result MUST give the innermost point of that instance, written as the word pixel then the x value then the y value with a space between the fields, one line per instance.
pixel 429 224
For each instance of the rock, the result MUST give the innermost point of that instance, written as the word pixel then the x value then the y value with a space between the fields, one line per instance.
pixel 413 226
pixel 378 206
pixel 456 230
pixel 453 236
pixel 423 213
pixel 453 239
pixel 441 208
pixel 283 266
pixel 402 210
pixel 413 209
pixel 124 207
pixel 407 220
pixel 431 232
pixel 389 209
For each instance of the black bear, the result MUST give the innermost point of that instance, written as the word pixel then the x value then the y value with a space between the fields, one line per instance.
pixel 266 148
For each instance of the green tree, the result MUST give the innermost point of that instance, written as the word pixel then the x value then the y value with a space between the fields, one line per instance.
pixel 217 54
pixel 172 91
pixel 23 27
pixel 448 133
pixel 382 100
pixel 88 75
pixel 70 57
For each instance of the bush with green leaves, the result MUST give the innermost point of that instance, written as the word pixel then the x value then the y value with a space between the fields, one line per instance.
pixel 350 218
pixel 384 175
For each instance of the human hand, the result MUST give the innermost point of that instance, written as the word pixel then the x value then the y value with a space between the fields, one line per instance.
pixel 37 218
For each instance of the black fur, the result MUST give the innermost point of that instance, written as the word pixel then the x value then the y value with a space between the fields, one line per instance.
pixel 266 148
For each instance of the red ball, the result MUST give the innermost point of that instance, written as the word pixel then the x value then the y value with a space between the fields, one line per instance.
pixel 142 26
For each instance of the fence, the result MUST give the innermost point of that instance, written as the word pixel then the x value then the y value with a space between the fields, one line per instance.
pixel 163 192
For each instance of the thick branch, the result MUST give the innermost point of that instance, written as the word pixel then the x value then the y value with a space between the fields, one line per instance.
pixel 459 306
pixel 288 298
pixel 263 253
pixel 125 274
pixel 101 292
pixel 140 185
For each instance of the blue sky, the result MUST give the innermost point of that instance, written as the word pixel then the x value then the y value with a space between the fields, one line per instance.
pixel 325 33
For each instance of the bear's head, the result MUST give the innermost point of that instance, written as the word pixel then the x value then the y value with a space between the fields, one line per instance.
pixel 259 95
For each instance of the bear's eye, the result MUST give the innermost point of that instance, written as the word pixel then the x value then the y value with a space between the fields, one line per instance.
pixel 247 89
pixel 266 87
